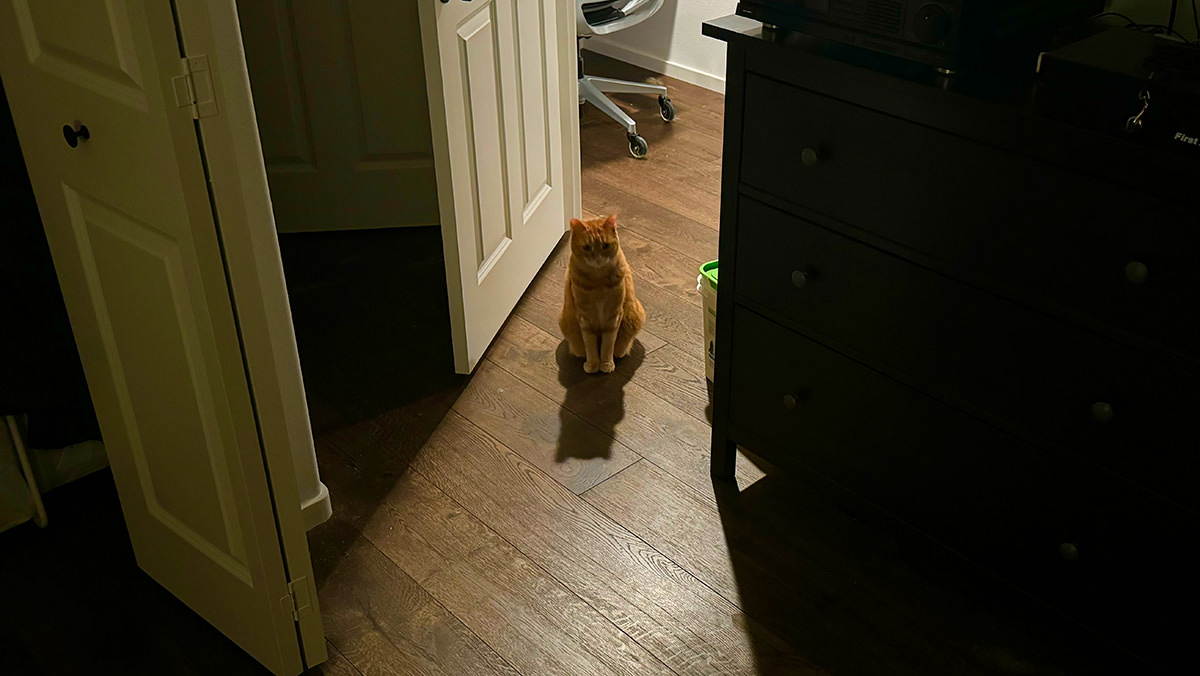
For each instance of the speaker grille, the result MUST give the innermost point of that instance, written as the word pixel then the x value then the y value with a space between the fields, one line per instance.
pixel 884 16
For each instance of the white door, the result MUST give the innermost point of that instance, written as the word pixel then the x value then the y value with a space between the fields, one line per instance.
pixel 339 95
pixel 496 80
pixel 129 222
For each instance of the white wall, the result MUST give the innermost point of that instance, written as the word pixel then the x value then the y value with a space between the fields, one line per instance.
pixel 1157 11
pixel 670 43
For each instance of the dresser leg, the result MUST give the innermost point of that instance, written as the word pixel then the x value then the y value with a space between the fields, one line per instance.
pixel 724 459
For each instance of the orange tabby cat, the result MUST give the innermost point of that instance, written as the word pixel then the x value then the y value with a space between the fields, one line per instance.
pixel 600 314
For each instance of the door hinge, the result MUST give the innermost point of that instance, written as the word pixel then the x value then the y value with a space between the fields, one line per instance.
pixel 194 88
pixel 297 601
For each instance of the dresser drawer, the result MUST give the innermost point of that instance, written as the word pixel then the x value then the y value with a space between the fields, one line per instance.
pixel 1093 548
pixel 1020 225
pixel 1102 400
pixel 799 404
pixel 1127 568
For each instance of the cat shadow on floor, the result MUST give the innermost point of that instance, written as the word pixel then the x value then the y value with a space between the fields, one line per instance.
pixel 592 402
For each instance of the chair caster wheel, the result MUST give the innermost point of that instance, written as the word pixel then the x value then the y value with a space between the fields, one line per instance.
pixel 666 108
pixel 637 146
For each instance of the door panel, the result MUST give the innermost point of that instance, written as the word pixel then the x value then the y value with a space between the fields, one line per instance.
pixel 495 100
pixel 534 111
pixel 344 130
pixel 177 450
pixel 480 72
pixel 129 222
pixel 58 41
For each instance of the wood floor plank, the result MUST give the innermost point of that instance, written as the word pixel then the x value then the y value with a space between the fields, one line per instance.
pixel 528 617
pixel 812 607
pixel 669 270
pixel 633 415
pixel 672 230
pixel 680 522
pixel 670 318
pixel 680 621
pixel 688 193
pixel 383 621
pixel 555 440
pixel 336 665
pixel 677 377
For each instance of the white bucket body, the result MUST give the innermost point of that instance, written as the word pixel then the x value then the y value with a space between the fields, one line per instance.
pixel 709 294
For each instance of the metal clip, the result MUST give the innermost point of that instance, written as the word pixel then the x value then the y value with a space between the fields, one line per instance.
pixel 1135 123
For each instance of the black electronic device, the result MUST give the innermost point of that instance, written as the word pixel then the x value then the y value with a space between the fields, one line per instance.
pixel 1128 83
pixel 946 34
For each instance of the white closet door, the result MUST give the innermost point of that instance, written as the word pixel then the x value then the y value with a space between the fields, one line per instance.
pixel 130 226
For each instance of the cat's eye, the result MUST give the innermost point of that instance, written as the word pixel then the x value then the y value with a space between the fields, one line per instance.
pixel 606 245
pixel 587 247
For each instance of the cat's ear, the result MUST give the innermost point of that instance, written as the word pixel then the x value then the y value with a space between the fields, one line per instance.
pixel 576 225
pixel 610 223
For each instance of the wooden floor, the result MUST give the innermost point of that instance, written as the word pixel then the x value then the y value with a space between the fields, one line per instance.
pixel 534 520
pixel 537 520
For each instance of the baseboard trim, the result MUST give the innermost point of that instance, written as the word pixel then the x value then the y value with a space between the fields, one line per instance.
pixel 658 65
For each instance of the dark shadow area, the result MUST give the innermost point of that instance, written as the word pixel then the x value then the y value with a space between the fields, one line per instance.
pixel 372 320
pixel 361 464
pixel 42 376
pixel 592 401
pixel 833 583
pixel 372 324
pixel 75 602
pixel 708 409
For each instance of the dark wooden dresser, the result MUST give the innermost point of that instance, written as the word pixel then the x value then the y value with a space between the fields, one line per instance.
pixel 982 321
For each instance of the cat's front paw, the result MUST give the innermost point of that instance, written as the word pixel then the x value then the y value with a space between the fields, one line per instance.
pixel 608 367
pixel 591 366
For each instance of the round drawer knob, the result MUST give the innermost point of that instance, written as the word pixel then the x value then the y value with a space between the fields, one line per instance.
pixel 799 279
pixel 1102 412
pixel 809 157
pixel 1068 552
pixel 1136 272
pixel 931 24
pixel 789 402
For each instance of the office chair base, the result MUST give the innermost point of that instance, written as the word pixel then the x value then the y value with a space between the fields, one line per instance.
pixel 611 86
pixel 592 90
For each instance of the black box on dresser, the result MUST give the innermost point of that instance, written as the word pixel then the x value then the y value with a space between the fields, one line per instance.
pixel 981 320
